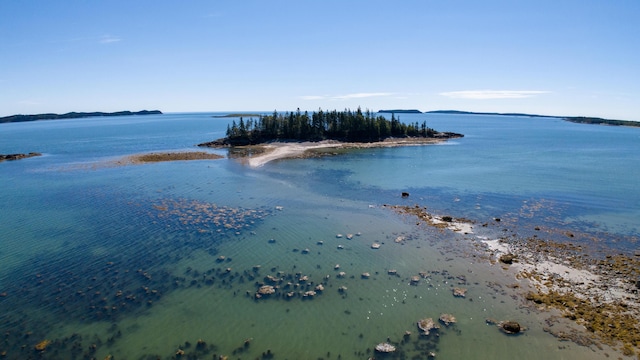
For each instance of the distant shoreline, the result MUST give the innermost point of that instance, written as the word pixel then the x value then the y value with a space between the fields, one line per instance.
pixel 73 115
pixel 574 119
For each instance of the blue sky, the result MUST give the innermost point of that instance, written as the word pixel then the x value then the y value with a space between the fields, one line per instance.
pixel 560 57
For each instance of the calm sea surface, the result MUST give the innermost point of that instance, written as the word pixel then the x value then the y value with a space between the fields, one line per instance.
pixel 147 261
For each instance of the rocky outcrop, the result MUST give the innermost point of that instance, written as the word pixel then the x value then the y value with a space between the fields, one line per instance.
pixel 18 156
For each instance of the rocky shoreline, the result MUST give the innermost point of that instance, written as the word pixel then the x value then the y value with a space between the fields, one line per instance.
pixel 597 292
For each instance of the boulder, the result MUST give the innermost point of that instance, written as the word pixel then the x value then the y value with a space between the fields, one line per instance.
pixel 426 325
pixel 266 290
pixel 447 319
pixel 507 259
pixel 385 348
pixel 510 327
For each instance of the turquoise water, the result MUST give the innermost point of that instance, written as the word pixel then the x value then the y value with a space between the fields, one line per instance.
pixel 128 258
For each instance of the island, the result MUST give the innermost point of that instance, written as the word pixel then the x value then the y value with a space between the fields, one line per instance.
pixel 291 134
pixel 74 115
pixel 237 115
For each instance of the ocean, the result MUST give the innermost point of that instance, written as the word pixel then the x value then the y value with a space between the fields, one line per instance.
pixel 164 260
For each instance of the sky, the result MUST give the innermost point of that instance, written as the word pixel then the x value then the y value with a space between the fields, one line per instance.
pixel 550 57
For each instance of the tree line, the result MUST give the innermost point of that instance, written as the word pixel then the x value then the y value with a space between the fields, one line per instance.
pixel 347 125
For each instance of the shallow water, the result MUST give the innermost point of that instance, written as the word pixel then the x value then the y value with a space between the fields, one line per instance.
pixel 127 258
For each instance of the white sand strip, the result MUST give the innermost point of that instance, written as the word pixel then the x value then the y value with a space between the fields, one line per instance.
pixel 275 151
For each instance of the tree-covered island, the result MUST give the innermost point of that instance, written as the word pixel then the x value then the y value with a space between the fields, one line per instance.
pixel 74 115
pixel 346 126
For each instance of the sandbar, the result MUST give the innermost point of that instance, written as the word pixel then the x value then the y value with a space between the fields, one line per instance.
pixel 139 159
pixel 171 156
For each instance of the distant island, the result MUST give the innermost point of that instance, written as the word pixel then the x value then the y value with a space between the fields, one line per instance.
pixel 401 111
pixel 575 119
pixel 73 115
pixel 345 126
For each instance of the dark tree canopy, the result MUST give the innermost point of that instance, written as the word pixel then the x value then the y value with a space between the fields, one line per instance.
pixel 347 125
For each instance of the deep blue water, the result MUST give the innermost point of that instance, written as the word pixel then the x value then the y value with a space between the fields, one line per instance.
pixel 127 257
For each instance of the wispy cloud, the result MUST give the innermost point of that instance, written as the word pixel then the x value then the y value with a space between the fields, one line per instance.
pixel 108 39
pixel 345 97
pixel 493 94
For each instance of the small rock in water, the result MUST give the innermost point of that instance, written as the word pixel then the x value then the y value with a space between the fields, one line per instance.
pixel 385 348
pixel 459 292
pixel 510 327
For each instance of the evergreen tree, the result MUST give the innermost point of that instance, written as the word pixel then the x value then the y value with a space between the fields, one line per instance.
pixel 346 125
